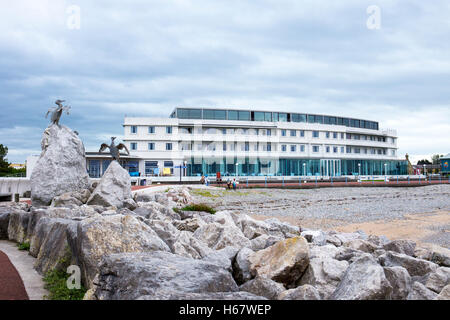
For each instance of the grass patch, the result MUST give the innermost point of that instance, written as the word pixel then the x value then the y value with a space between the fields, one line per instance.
pixel 199 207
pixel 206 193
pixel 55 283
pixel 24 246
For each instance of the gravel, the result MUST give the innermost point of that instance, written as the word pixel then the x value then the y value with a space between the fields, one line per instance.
pixel 351 205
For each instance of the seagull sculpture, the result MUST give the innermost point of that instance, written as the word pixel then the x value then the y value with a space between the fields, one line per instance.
pixel 57 111
pixel 113 149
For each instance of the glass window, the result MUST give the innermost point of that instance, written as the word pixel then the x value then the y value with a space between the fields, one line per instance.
pixel 150 167
pixel 269 132
pixel 283 147
pixel 342 149
pixel 268 116
pixel 274 116
pixel 311 118
pixel 133 145
pixel 189 113
pixel 168 146
pixel 315 134
pixel 269 146
pixel 293 133
pixel 346 122
pixel 283 133
pixel 298 117
pixel 224 146
pixel 233 115
pixel 214 114
pixel 133 129
pixel 318 119
pixel 282 117
pixel 348 136
pixel 335 135
pixel 151 146
pixel 302 148
pixel 151 129
pixel 327 148
pixel 293 148
pixel 169 130
pixel 349 150
pixel 335 149
pixel 327 134
pixel 244 115
pixel 340 121
pixel 259 116
pixel 333 120
pixel 302 133
pixel 168 163
pixel 247 146
pixel 342 135
pixel 315 148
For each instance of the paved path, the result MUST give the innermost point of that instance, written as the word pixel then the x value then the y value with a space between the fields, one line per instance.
pixel 11 285
pixel 23 263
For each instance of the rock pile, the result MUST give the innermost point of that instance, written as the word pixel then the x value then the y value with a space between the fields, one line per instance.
pixel 142 249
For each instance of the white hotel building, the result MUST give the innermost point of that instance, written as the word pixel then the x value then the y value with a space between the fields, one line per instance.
pixel 255 143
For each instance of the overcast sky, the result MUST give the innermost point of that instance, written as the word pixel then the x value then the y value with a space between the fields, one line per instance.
pixel 143 58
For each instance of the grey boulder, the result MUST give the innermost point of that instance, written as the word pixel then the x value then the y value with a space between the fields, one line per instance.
pixel 61 167
pixel 305 292
pixel 114 187
pixel 263 287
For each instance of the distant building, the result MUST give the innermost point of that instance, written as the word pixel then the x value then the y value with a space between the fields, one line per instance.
pixel 445 164
pixel 17 165
pixel 258 143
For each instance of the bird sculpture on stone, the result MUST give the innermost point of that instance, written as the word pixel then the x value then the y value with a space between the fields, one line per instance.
pixel 57 111
pixel 113 149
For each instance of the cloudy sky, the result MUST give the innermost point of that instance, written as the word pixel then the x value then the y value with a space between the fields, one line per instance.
pixel 143 58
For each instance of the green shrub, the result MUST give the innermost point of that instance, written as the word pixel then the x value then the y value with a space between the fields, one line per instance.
pixel 55 283
pixel 199 207
pixel 24 246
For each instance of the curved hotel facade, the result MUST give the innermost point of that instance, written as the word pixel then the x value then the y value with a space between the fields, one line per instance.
pixel 259 143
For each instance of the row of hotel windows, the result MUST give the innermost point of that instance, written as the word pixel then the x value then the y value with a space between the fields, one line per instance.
pixel 210 114
pixel 268 147
pixel 268 132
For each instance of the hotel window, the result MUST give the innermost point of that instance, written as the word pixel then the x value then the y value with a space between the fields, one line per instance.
pixel 282 117
pixel 224 131
pixel 348 136
pixel 342 149
pixel 293 133
pixel 255 147
pixel 335 135
pixel 199 147
pixel 283 133
pixel 283 148
pixel 133 145
pixel 365 150
pixel 295 117
pixel 356 137
pixel 302 148
pixel 342 135
pixel 349 150
pixel 293 148
pixel 169 130
pixel 315 134
pixel 168 146
pixel 186 146
pixel 269 132
pixel 357 150
pixel 224 147
pixel 151 129
pixel 184 130
pixel 268 147
pixel 244 131
pixel 133 129
pixel 151 146
pixel 211 131
pixel 327 149
pixel 372 151
pixel 335 149
pixel 315 148
pixel 327 134
pixel 393 152
pixel 302 133
pixel 259 116
pixel 379 151
pixel 247 146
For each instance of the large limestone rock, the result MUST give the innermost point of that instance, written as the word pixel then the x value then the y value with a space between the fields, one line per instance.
pixel 363 280
pixel 400 281
pixel 18 225
pixel 263 287
pixel 4 221
pixel 445 293
pixel 324 273
pixel 158 275
pixel 305 292
pixel 114 187
pixel 102 235
pixel 188 246
pixel 420 292
pixel 283 262
pixel 415 267
pixel 241 295
pixel 401 246
pixel 61 166
pixel 218 236
pixel 241 266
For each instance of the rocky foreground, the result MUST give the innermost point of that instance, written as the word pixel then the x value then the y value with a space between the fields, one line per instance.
pixel 141 248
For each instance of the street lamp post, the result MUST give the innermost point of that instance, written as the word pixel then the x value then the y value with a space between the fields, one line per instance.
pixel 385 172
pixel 304 169
pixel 237 167
pixel 359 172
